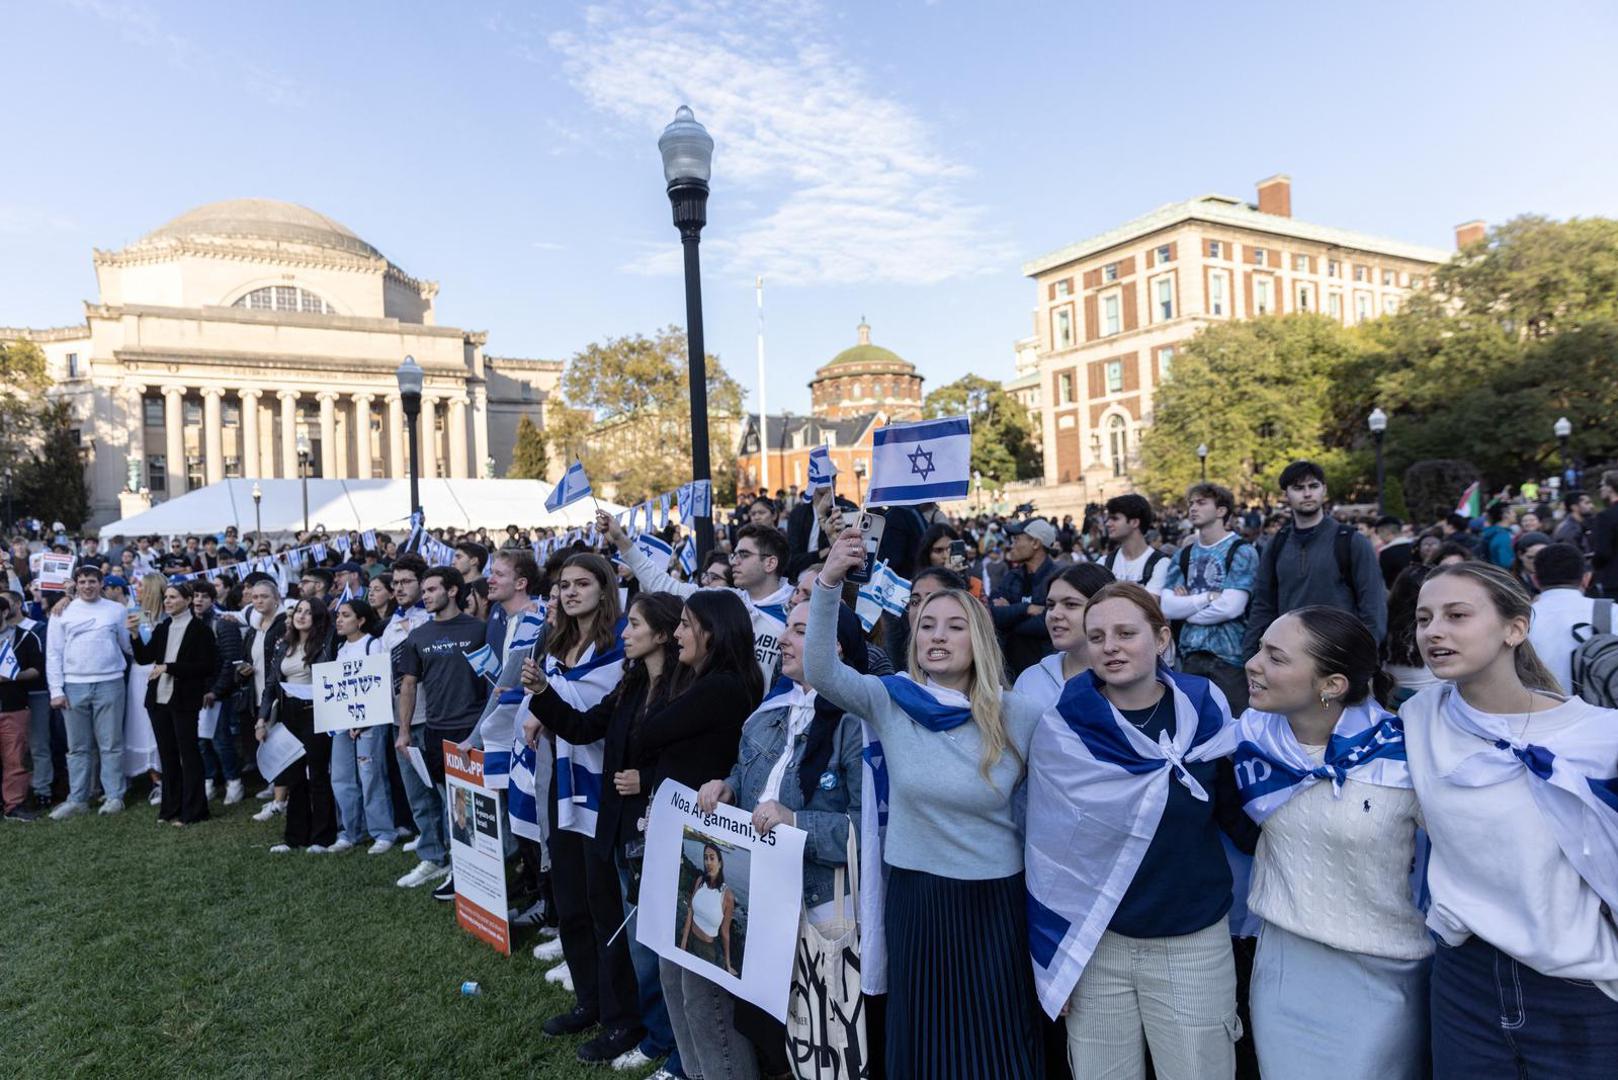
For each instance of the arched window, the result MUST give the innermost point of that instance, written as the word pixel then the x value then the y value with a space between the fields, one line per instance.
pixel 1118 443
pixel 284 298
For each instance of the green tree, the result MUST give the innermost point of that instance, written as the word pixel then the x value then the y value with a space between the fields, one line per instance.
pixel 50 482
pixel 627 415
pixel 529 461
pixel 1003 446
pixel 1256 392
pixel 23 381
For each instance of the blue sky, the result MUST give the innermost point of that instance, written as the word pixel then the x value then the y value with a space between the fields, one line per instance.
pixel 897 160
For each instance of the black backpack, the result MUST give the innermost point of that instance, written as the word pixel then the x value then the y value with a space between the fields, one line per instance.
pixel 1146 573
pixel 1341 546
pixel 1184 559
pixel 1595 659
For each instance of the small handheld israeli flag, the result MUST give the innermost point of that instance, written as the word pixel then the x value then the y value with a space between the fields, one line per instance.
pixel 368 538
pixel 821 468
pixel 9 667
pixel 347 594
pixel 655 549
pixel 688 559
pixel 702 498
pixel 574 486
pixel 920 462
pixel 886 591
pixel 485 662
pixel 629 526
pixel 663 510
pixel 529 624
pixel 340 542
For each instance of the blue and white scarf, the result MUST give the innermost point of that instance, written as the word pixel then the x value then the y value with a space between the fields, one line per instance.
pixel 1088 764
pixel 936 709
pixel 499 730
pixel 1573 777
pixel 1271 766
pixel 579 768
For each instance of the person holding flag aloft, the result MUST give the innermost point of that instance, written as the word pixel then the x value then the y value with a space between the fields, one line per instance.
pixel 758 560
pixel 960 992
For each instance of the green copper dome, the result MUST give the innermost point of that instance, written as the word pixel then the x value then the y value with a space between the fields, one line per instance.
pixel 866 353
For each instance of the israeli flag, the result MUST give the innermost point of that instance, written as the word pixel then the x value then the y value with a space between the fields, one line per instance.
pixel 529 624
pixel 368 538
pixel 340 542
pixel 655 549
pixel 485 662
pixel 574 486
pixel 821 468
pixel 629 526
pixel 921 462
pixel 9 667
pixel 346 595
pixel 663 510
pixel 318 551
pixel 886 591
pixel 688 559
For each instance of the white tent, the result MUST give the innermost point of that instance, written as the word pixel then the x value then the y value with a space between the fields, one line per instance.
pixel 342 505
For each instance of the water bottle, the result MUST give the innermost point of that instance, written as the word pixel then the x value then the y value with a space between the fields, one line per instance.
pixel 470 989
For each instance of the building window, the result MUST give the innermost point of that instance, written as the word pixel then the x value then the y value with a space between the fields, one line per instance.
pixel 1064 287
pixel 157 473
pixel 1306 298
pixel 1262 300
pixel 1258 256
pixel 233 467
pixel 193 473
pixel 1165 361
pixel 1216 249
pixel 1064 329
pixel 1109 272
pixel 1334 304
pixel 152 411
pixel 1216 292
pixel 259 299
pixel 231 415
pixel 1390 305
pixel 1064 388
pixel 1118 442
pixel 1300 264
pixel 1164 254
pixel 1115 376
pixel 1360 273
pixel 1165 298
pixel 1417 281
pixel 1362 307
pixel 192 411
pixel 858 391
pixel 73 365
pixel 1334 268
pixel 1390 278
pixel 1111 317
pixel 284 298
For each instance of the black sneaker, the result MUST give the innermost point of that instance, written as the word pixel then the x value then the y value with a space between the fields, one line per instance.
pixel 44 802
pixel 446 889
pixel 21 813
pixel 606 1046
pixel 576 1022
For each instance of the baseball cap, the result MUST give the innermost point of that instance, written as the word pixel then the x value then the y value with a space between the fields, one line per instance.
pixel 1038 528
pixel 1528 540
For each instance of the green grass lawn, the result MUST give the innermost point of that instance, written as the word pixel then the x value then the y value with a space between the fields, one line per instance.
pixel 129 948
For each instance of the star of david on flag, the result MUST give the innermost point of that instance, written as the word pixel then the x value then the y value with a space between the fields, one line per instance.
pixel 9 667
pixel 920 462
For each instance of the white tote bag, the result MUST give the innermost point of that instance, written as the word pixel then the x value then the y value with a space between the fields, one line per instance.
pixel 825 1014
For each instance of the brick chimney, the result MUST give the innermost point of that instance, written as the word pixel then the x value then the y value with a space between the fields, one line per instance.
pixel 1470 233
pixel 1275 195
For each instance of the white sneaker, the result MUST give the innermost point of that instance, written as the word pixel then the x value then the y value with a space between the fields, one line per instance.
pixel 532 915
pixel 548 950
pixel 69 809
pixel 317 849
pixel 558 973
pixel 207 790
pixel 266 795
pixel 633 1059
pixel 567 981
pixel 662 1074
pixel 233 792
pixel 341 846
pixel 412 845
pixel 423 873
pixel 156 796
pixel 271 809
pixel 112 806
pixel 380 847
pixel 280 849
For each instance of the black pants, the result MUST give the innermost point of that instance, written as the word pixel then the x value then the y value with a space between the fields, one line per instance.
pixel 1230 678
pixel 589 911
pixel 175 730
pixel 311 807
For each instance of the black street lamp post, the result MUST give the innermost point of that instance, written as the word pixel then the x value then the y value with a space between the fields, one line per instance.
pixel 1564 431
pixel 1202 456
pixel 687 151
pixel 410 380
pixel 1378 423
pixel 9 518
pixel 303 474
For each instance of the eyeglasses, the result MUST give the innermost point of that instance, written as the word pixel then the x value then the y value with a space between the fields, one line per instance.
pixel 740 554
pixel 713 578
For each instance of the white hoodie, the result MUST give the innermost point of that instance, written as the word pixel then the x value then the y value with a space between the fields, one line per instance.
pixel 87 643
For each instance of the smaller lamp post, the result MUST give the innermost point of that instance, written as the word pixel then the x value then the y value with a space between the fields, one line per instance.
pixel 303 473
pixel 1564 431
pixel 1202 456
pixel 410 379
pixel 1378 423
pixel 258 518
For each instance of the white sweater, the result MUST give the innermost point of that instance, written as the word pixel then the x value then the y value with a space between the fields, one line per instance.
pixel 1496 869
pixel 87 643
pixel 1337 870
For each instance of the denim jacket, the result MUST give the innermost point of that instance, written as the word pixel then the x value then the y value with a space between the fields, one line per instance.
pixel 826 816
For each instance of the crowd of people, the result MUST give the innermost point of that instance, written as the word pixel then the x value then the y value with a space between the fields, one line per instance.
pixel 1210 793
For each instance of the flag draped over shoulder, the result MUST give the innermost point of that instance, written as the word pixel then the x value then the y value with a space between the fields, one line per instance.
pixel 579 767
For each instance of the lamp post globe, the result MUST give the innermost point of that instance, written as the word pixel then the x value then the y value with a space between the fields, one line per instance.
pixel 303 473
pixel 1202 456
pixel 258 518
pixel 687 151
pixel 1378 423
pixel 410 377
pixel 1564 431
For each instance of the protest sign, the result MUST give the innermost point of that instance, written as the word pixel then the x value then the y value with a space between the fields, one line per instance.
pixel 721 900
pixel 476 848
pixel 354 693
pixel 55 572
pixel 279 749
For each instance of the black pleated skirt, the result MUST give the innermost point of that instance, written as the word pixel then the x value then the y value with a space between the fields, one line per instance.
pixel 961 1002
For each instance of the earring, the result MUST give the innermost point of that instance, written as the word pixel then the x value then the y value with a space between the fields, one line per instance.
pixel 1325 699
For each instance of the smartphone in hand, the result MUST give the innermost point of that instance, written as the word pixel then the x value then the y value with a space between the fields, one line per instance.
pixel 872 526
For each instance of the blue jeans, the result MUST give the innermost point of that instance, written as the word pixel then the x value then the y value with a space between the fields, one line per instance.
pixel 1493 1017
pixel 654 1014
pixel 359 780
pixel 219 752
pixel 95 719
pixel 426 801
pixel 39 741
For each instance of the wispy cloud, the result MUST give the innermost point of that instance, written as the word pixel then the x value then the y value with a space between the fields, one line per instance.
pixel 19 220
pixel 845 182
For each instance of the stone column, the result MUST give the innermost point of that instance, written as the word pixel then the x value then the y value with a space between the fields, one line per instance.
pixel 328 434
pixel 213 433
pixel 362 436
pixel 174 434
pixel 250 432
pixel 457 438
pixel 398 467
pixel 480 429
pixel 429 437
pixel 289 434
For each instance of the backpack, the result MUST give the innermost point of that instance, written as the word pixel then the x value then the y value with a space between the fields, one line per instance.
pixel 1595 659
pixel 1184 559
pixel 1152 560
pixel 1340 546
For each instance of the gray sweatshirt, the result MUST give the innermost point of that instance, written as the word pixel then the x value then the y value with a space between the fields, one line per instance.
pixel 87 643
pixel 1304 571
pixel 944 818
